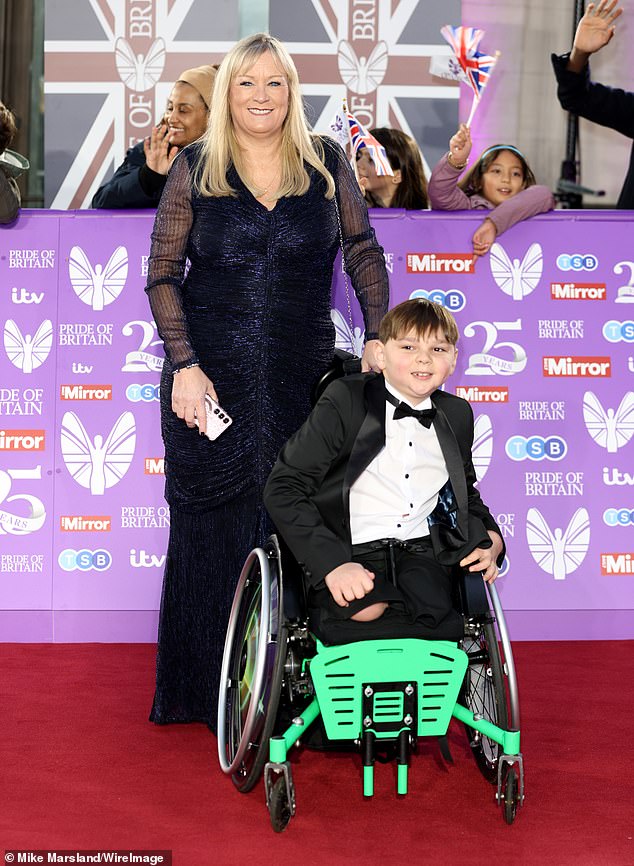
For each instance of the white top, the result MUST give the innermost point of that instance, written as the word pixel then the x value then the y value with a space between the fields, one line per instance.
pixel 397 492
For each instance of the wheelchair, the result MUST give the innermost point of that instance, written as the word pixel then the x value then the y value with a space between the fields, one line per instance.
pixel 377 696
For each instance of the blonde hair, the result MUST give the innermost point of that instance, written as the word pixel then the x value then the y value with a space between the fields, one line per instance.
pixel 220 147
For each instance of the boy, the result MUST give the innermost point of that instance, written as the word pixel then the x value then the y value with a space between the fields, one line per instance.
pixel 378 503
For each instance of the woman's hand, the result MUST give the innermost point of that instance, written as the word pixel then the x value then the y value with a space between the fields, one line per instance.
pixel 483 237
pixel 369 359
pixel 484 559
pixel 188 396
pixel 460 145
pixel 159 152
pixel 595 30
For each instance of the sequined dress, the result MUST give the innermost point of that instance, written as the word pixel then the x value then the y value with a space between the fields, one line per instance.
pixel 254 311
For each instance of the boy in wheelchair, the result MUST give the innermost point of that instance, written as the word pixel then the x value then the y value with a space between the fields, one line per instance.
pixel 375 494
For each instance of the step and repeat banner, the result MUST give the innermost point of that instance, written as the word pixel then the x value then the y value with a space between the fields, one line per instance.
pixel 546 359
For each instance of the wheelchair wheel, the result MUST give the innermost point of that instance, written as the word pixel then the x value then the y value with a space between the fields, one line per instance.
pixel 252 668
pixel 484 693
pixel 279 807
pixel 510 793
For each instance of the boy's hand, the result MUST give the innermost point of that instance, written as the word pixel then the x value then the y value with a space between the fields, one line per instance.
pixel 348 582
pixel 460 145
pixel 483 237
pixel 484 559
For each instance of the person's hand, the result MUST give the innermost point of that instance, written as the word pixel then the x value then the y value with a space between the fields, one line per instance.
pixel 369 359
pixel 348 582
pixel 159 152
pixel 483 237
pixel 484 558
pixel 188 396
pixel 460 145
pixel 595 30
pixel 363 184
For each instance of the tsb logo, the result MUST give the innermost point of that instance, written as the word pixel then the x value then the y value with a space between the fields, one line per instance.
pixel 577 262
pixel 147 393
pixel 84 560
pixel 618 516
pixel 616 332
pixel 453 299
pixel 536 448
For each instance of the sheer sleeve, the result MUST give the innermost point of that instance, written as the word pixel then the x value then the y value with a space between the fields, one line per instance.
pixel 364 260
pixel 166 266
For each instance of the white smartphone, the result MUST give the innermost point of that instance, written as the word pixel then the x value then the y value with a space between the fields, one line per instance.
pixel 217 419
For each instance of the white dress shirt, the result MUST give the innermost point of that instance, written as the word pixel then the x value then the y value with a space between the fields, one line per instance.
pixel 395 494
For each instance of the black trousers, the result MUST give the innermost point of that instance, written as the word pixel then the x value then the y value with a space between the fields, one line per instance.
pixel 416 587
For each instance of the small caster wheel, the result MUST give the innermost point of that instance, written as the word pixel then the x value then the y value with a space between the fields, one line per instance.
pixel 510 794
pixel 279 807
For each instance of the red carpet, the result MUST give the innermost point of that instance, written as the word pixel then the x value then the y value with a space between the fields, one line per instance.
pixel 83 769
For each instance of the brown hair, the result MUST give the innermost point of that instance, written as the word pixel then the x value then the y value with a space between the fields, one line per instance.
pixel 421 316
pixel 472 181
pixel 403 154
pixel 8 129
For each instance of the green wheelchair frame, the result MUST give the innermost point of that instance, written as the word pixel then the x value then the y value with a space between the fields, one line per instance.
pixel 277 680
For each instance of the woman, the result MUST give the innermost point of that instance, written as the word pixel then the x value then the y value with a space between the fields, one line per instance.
pixel 253 208
pixel 140 179
pixel 407 187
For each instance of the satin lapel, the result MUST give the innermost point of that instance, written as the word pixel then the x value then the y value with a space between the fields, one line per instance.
pixel 371 436
pixel 455 467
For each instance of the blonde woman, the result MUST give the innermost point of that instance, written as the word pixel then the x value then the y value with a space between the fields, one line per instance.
pixel 258 208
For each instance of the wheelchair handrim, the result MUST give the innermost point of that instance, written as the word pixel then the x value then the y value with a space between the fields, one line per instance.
pixel 230 767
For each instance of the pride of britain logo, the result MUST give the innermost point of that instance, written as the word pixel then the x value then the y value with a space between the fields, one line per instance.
pixel 15 523
pixel 611 429
pixel 517 278
pixel 347 336
pixel 497 357
pixel 99 462
pixel 556 551
pixel 482 450
pixel 97 287
pixel 27 352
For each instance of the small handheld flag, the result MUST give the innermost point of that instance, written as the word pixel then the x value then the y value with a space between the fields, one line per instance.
pixel 359 138
pixel 475 65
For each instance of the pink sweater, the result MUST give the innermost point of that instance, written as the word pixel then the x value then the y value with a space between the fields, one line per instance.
pixel 444 194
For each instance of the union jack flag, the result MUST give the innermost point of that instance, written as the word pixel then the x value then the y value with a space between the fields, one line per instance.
pixel 359 137
pixel 109 68
pixel 476 66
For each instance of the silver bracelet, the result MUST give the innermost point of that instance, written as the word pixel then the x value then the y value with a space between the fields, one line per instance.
pixel 186 367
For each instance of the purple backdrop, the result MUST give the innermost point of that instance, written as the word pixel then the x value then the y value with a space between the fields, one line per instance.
pixel 545 358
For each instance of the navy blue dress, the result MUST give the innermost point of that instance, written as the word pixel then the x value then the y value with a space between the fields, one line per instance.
pixel 254 311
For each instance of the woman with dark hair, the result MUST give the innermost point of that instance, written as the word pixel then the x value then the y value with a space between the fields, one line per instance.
pixel 407 187
pixel 501 181
pixel 260 207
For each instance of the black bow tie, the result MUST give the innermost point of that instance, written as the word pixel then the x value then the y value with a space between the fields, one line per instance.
pixel 424 416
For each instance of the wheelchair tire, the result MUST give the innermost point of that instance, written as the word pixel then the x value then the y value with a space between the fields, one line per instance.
pixel 253 668
pixel 279 807
pixel 511 796
pixel 484 693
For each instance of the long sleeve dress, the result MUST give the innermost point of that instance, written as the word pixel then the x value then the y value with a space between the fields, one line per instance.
pixel 254 311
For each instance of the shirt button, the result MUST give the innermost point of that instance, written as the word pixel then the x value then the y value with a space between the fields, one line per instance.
pixel 398 525
pixel 407 475
pixel 411 505
pixel 410 444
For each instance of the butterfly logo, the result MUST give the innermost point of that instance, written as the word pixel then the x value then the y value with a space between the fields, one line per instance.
pixel 362 75
pixel 516 278
pixel 98 287
pixel 609 429
pixel 28 353
pixel 137 72
pixel 93 463
pixel 482 450
pixel 558 553
pixel 345 338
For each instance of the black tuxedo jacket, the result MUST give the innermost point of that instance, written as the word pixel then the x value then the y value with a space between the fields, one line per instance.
pixel 308 491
